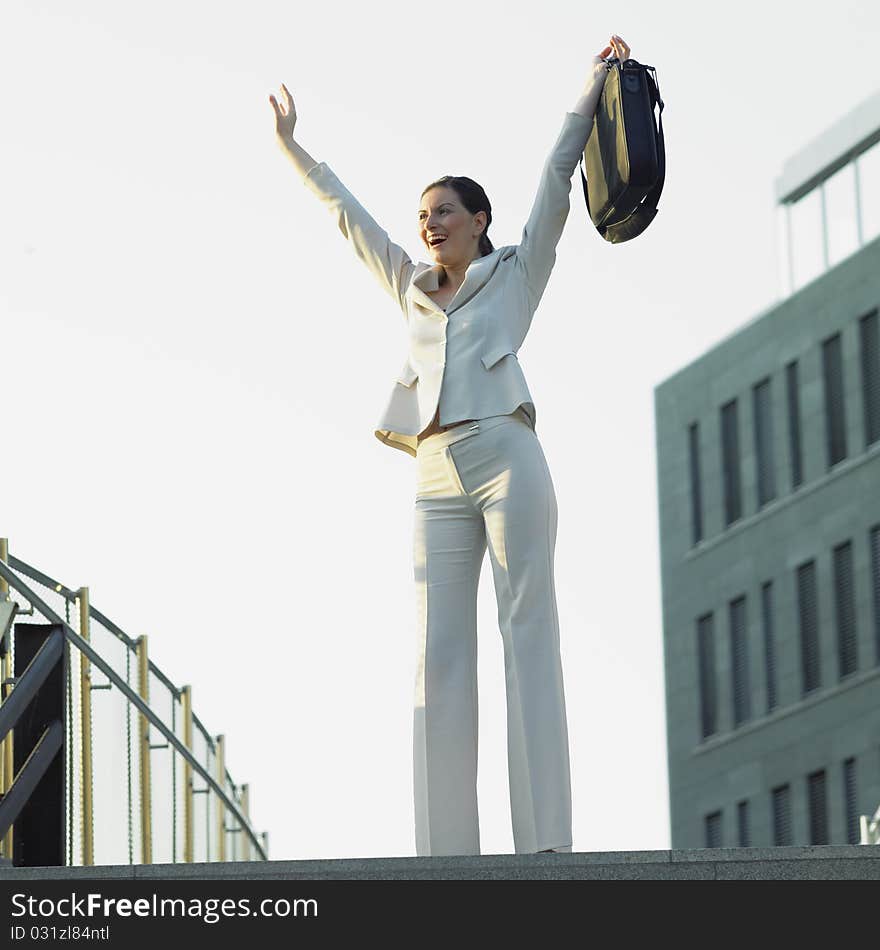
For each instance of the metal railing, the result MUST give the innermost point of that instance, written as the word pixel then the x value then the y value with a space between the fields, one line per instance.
pixel 125 803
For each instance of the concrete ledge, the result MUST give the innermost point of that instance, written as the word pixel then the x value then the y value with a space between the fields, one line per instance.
pixel 820 862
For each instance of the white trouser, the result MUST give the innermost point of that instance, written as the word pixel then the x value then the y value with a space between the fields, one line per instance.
pixel 477 482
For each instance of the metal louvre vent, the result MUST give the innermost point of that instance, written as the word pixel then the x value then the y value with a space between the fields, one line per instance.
pixel 744 834
pixel 850 802
pixel 762 409
pixel 706 659
pixel 874 544
pixel 740 661
pixel 794 423
pixel 696 487
pixel 869 337
pixel 809 626
pixel 845 609
pixel 835 415
pixel 782 816
pixel 730 463
pixel 769 643
pixel 817 801
pixel 713 830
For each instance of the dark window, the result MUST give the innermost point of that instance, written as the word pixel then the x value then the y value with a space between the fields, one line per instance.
pixel 713 830
pixel 744 835
pixel 817 800
pixel 874 544
pixel 706 657
pixel 782 815
pixel 730 463
pixel 845 609
pixel 763 414
pixel 742 707
pixel 870 346
pixel 835 415
pixel 850 804
pixel 809 625
pixel 794 423
pixel 696 487
pixel 769 643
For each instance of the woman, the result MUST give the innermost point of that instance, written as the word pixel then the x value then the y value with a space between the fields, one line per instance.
pixel 462 408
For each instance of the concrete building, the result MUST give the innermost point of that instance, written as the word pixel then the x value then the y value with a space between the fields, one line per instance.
pixel 768 454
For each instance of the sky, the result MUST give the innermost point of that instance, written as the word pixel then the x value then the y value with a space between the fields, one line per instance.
pixel 189 414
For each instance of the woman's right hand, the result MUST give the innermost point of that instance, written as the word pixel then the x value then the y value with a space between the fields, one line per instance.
pixel 285 115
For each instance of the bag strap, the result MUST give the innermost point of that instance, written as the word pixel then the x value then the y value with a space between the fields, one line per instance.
pixel 646 211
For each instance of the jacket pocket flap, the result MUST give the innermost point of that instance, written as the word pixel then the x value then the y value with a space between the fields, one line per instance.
pixel 407 375
pixel 493 356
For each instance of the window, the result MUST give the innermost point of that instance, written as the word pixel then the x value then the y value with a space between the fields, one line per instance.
pixel 850 805
pixel 805 228
pixel 794 422
pixel 870 352
pixel 743 829
pixel 762 410
pixel 696 488
pixel 874 545
pixel 781 799
pixel 769 643
pixel 831 221
pixel 706 659
pixel 730 463
pixel 817 801
pixel 869 192
pixel 841 228
pixel 809 627
pixel 835 415
pixel 740 661
pixel 783 250
pixel 845 610
pixel 713 830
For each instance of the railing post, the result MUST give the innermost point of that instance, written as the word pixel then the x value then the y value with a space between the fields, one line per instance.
pixel 186 704
pixel 246 808
pixel 85 686
pixel 221 808
pixel 7 771
pixel 146 799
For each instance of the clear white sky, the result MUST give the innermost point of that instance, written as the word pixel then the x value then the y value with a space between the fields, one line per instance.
pixel 189 415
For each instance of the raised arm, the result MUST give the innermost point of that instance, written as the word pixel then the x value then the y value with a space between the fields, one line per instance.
pixel 387 261
pixel 537 249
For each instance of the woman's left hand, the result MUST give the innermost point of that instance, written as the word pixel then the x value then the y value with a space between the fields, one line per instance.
pixel 618 46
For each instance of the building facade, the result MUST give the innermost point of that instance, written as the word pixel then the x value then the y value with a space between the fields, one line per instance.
pixel 768 455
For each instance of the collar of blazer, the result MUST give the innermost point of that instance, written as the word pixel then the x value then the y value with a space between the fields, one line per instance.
pixel 477 275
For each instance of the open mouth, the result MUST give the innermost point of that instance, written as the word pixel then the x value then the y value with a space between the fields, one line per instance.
pixel 437 241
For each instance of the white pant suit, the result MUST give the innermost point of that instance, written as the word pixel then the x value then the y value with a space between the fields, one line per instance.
pixel 486 484
pixel 480 485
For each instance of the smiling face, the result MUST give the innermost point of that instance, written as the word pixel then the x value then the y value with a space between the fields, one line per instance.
pixel 442 215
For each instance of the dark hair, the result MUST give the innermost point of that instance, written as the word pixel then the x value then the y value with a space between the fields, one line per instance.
pixel 473 198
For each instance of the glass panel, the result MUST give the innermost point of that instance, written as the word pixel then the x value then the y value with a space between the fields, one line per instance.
pixel 783 275
pixel 840 214
pixel 869 192
pixel 806 238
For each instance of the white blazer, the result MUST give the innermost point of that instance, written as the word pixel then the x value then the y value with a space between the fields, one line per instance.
pixel 464 358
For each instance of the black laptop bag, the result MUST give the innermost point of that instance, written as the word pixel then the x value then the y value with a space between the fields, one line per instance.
pixel 625 156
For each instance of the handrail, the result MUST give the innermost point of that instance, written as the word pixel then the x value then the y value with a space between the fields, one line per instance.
pixel 84 647
pixel 72 595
